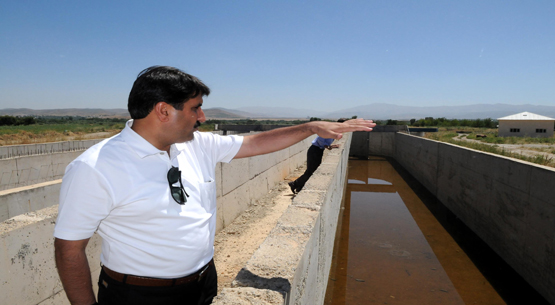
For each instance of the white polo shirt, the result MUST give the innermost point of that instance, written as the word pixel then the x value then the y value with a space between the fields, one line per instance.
pixel 120 188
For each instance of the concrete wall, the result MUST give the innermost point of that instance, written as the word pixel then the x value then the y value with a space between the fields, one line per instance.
pixel 12 151
pixel 243 181
pixel 27 199
pixel 28 273
pixel 292 265
pixel 22 165
pixel 509 203
pixel 374 143
pixel 527 128
pixel 28 170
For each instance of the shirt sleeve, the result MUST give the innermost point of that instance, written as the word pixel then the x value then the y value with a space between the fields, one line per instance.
pixel 322 142
pixel 221 148
pixel 328 142
pixel 85 199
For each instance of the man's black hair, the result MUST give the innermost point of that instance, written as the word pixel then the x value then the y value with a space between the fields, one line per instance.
pixel 162 84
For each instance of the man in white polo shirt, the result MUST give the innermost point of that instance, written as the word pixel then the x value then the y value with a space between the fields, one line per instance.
pixel 150 194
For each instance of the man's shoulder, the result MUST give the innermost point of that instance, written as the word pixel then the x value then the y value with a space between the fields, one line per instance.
pixel 201 138
pixel 101 150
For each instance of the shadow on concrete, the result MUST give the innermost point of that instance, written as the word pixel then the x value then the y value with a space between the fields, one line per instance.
pixel 245 278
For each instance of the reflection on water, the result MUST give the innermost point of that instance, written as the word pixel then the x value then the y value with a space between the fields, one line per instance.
pixel 390 249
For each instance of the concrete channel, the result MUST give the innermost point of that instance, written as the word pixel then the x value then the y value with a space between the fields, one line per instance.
pixel 508 203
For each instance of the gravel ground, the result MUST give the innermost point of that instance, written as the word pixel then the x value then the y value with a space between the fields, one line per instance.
pixel 522 149
pixel 237 242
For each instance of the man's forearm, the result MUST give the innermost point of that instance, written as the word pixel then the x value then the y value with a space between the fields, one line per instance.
pixel 274 140
pixel 277 139
pixel 74 272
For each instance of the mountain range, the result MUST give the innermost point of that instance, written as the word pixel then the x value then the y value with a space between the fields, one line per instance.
pixel 376 111
pixel 380 111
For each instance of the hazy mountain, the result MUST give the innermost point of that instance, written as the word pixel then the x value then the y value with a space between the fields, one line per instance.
pixel 375 111
pixel 482 111
pixel 84 112
pixel 280 112
pixel 222 113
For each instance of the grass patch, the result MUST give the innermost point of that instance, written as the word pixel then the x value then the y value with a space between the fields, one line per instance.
pixel 449 135
pixel 491 134
pixel 538 159
pixel 53 132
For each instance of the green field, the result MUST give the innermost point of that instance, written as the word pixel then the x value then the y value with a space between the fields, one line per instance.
pixel 61 128
pixel 57 129
pixel 449 134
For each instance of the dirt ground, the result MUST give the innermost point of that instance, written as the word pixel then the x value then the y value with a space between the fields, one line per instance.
pixel 529 150
pixel 236 243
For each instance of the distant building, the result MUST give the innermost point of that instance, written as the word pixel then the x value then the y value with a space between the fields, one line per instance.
pixel 526 124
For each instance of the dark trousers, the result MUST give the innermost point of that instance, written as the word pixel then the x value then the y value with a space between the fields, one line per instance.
pixel 112 292
pixel 313 160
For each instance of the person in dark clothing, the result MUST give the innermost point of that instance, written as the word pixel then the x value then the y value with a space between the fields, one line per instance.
pixel 313 160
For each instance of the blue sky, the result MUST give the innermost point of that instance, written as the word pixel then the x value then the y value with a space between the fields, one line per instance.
pixel 324 55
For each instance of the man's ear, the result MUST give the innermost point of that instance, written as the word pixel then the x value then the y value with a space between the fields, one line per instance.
pixel 162 111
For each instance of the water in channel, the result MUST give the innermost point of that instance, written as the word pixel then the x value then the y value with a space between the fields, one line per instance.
pixel 396 244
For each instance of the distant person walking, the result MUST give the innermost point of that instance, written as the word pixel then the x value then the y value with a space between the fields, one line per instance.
pixel 313 160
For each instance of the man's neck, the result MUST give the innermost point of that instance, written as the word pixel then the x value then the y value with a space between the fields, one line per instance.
pixel 149 131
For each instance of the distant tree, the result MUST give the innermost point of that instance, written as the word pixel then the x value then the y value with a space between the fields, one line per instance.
pixel 489 123
pixel 7 120
pixel 28 120
pixel 315 119
pixel 354 117
pixel 412 121
pixel 391 122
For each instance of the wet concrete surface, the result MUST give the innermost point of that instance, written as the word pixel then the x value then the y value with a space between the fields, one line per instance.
pixel 391 248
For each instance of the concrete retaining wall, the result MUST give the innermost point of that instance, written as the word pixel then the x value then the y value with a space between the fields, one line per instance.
pixel 22 165
pixel 13 151
pixel 509 203
pixel 27 199
pixel 28 273
pixel 28 170
pixel 381 141
pixel 292 265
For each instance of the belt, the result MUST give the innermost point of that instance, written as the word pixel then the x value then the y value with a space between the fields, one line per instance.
pixel 156 282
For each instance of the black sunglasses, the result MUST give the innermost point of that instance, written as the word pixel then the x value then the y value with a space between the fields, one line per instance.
pixel 178 192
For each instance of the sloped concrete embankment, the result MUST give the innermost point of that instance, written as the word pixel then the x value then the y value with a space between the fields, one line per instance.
pixel 292 265
pixel 509 203
pixel 14 151
pixel 22 165
pixel 28 275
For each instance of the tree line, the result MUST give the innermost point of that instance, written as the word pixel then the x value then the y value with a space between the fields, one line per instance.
pixel 8 120
pixel 443 122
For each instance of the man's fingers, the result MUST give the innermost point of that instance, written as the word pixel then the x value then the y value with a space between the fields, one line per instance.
pixel 336 130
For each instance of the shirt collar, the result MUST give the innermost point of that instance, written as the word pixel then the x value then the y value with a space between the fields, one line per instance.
pixel 142 147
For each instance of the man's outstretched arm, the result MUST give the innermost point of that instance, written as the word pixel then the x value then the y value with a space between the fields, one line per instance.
pixel 74 270
pixel 277 139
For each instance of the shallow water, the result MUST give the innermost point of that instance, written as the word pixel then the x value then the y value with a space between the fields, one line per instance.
pixel 391 249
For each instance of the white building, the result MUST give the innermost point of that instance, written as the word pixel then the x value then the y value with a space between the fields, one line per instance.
pixel 526 124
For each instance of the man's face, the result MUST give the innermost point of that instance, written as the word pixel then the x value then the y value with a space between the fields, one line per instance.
pixel 185 122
